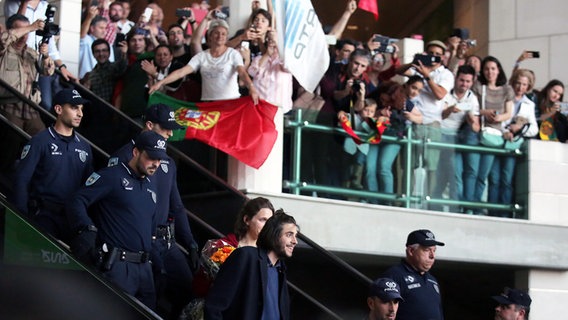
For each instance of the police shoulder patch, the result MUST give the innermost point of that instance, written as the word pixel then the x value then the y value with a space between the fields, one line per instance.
pixel 92 179
pixel 25 151
pixel 112 161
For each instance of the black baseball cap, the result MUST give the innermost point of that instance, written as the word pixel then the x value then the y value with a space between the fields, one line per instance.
pixel 514 296
pixel 153 143
pixel 386 289
pixel 164 116
pixel 70 96
pixel 423 237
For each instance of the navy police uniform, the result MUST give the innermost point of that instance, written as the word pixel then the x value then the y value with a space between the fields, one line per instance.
pixel 51 168
pixel 421 293
pixel 124 213
pixel 174 266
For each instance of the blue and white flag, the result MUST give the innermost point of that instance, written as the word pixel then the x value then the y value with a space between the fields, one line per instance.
pixel 301 41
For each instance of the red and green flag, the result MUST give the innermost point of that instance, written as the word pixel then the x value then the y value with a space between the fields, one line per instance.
pixel 378 127
pixel 237 127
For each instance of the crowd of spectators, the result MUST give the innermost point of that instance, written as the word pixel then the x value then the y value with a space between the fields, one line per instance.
pixel 199 58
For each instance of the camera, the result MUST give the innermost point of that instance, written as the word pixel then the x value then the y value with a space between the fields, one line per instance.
pixel 183 13
pixel 356 85
pixel 471 42
pixel 426 59
pixel 385 42
pixel 223 13
pixel 119 38
pixel 50 29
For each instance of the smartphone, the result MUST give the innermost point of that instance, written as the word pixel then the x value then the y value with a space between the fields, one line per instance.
pixel 119 38
pixel 245 44
pixel 563 108
pixel 534 54
pixel 426 59
pixel 147 15
pixel 183 13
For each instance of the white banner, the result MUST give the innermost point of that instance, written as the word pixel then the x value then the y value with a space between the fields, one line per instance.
pixel 301 41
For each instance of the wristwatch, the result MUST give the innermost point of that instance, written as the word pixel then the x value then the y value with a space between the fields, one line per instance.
pixel 62 66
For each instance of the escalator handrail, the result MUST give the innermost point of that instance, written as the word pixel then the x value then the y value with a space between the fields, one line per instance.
pixel 140 307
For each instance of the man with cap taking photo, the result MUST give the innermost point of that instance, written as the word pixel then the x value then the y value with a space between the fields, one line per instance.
pixel 514 304
pixel 419 289
pixel 384 297
pixel 438 81
pixel 121 203
pixel 173 272
pixel 53 164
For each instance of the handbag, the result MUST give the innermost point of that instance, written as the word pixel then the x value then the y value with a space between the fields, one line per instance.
pixel 310 103
pixel 488 136
pixel 491 137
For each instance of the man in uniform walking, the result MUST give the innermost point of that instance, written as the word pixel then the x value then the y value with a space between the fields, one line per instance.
pixel 123 199
pixel 173 273
pixel 53 165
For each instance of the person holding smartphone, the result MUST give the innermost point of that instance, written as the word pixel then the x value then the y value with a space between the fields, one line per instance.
pixel 438 81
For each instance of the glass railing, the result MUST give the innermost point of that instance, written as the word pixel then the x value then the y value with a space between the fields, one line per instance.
pixel 319 166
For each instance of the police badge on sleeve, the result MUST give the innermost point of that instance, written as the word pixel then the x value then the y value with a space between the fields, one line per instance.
pixel 92 179
pixel 25 151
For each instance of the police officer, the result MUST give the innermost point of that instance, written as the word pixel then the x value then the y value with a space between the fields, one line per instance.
pixel 418 288
pixel 123 220
pixel 383 299
pixel 53 165
pixel 173 276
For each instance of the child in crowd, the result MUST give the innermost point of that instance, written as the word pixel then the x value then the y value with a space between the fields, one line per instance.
pixel 357 153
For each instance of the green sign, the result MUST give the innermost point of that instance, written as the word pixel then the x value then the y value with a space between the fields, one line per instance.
pixel 23 245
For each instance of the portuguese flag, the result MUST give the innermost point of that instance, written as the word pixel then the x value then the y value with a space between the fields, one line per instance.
pixel 236 127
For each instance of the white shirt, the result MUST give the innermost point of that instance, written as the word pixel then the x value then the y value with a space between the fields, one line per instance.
pixel 468 103
pixel 524 108
pixel 431 108
pixel 219 74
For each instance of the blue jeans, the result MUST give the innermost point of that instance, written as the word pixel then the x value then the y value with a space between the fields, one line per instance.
pixel 470 162
pixel 501 183
pixel 49 86
pixel 381 156
pixel 485 166
pixel 446 173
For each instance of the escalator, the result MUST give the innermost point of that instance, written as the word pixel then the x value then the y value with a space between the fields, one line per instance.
pixel 212 207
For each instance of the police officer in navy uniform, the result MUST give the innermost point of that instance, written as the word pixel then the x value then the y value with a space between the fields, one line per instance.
pixel 53 165
pixel 123 199
pixel 419 288
pixel 174 275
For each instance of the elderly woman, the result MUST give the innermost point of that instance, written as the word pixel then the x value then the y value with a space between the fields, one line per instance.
pixel 219 67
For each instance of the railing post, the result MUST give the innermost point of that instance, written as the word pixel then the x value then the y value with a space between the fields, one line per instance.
pixel 297 153
pixel 408 169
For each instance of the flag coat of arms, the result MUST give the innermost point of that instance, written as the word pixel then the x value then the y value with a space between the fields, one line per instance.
pixel 237 127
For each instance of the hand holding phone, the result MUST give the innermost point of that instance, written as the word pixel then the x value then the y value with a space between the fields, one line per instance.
pixel 427 60
pixel 534 54
pixel 147 15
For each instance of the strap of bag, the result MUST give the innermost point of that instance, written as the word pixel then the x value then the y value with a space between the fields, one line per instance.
pixel 483 93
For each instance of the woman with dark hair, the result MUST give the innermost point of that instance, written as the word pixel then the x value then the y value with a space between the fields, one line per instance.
pixel 553 124
pixel 250 220
pixel 493 91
